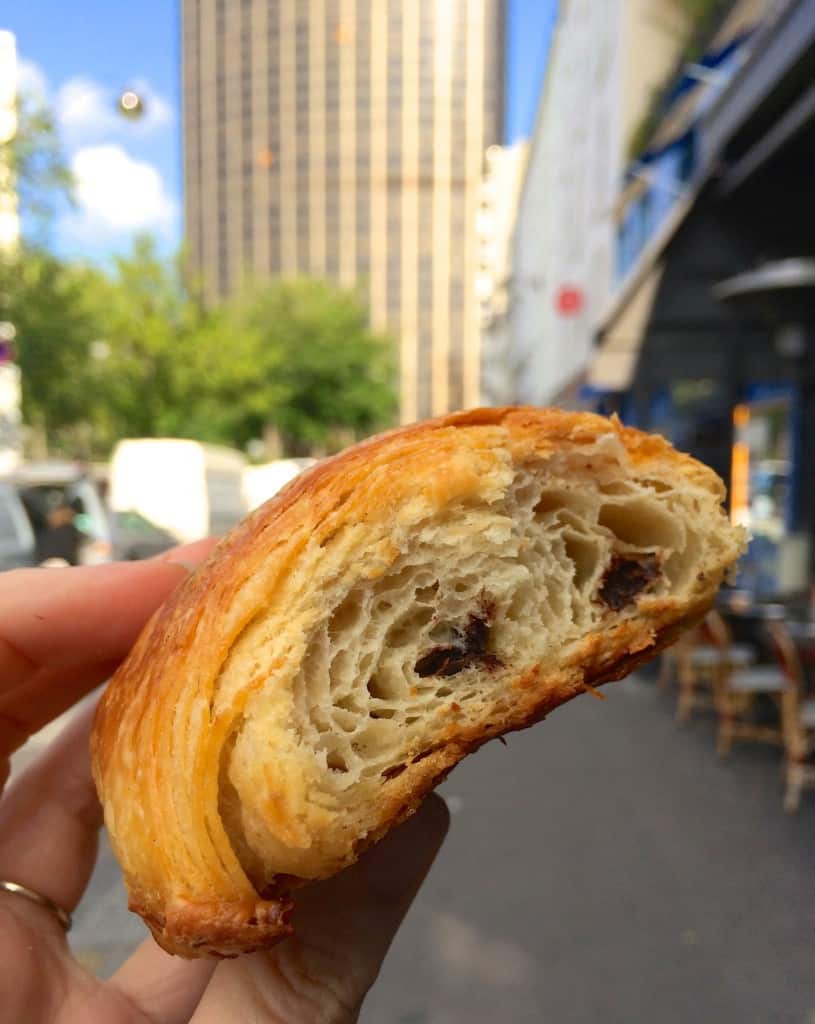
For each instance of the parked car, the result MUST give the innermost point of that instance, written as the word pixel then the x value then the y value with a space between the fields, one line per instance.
pixel 17 545
pixel 134 537
pixel 65 511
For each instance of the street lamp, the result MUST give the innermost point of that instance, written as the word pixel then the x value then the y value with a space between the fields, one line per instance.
pixel 130 105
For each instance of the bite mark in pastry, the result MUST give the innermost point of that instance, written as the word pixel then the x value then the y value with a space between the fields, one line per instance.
pixel 391 610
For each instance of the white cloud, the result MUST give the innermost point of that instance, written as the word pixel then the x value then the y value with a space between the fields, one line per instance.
pixel 31 80
pixel 118 194
pixel 87 111
pixel 159 112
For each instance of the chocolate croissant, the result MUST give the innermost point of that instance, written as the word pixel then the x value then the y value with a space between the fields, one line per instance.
pixel 387 613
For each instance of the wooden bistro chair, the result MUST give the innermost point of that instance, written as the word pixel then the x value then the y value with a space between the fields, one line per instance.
pixel 737 693
pixel 798 718
pixel 700 660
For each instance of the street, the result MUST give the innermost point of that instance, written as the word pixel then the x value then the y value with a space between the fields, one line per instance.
pixel 605 867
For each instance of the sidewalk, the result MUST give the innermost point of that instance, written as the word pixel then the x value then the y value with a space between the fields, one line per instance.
pixel 608 868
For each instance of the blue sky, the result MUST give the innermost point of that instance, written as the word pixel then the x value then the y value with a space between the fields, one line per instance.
pixel 81 55
pixel 529 32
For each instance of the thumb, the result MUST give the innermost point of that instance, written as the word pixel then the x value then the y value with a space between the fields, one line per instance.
pixel 343 928
pixel 362 907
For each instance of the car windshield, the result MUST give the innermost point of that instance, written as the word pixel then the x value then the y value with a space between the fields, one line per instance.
pixel 42 499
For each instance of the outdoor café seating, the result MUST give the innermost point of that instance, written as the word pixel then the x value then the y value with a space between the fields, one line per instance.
pixel 759 690
pixel 701 658
pixel 737 696
pixel 798 717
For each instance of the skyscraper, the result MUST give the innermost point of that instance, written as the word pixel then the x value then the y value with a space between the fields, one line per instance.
pixel 345 139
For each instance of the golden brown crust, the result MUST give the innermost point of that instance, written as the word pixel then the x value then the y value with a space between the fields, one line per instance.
pixel 152 756
pixel 214 929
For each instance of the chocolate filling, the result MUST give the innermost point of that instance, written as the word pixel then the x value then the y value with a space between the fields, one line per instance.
pixel 625 578
pixel 469 646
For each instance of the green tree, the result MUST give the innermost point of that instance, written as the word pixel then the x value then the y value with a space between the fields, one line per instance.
pixel 171 368
pixel 99 352
pixel 48 303
pixel 41 297
pixel 130 353
pixel 146 325
pixel 35 162
pixel 310 364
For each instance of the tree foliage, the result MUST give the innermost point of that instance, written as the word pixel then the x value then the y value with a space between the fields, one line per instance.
pixel 146 328
pixel 36 162
pixel 130 353
pixel 48 303
pixel 312 366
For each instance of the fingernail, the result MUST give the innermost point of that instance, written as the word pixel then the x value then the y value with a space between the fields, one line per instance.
pixel 188 567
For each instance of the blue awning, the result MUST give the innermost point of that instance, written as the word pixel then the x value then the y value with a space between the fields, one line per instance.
pixel 721 59
pixel 711 61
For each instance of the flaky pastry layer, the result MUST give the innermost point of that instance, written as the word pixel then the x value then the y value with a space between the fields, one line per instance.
pixel 391 610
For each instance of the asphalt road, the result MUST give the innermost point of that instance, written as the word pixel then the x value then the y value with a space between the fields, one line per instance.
pixel 604 868
pixel 608 868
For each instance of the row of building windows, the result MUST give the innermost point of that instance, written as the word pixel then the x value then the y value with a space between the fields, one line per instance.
pixel 304 95
pixel 333 252
pixel 302 98
pixel 424 68
pixel 336 120
pixel 272 161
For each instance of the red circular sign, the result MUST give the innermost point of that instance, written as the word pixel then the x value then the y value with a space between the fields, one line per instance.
pixel 569 300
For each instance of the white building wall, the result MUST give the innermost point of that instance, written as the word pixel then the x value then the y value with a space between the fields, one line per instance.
pixel 606 59
pixel 497 212
pixel 564 234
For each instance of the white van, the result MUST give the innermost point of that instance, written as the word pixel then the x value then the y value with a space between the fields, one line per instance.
pixel 262 482
pixel 190 489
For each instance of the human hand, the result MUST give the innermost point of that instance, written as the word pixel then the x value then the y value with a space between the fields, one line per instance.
pixel 61 634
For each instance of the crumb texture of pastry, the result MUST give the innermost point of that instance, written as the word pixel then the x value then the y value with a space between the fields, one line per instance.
pixel 387 613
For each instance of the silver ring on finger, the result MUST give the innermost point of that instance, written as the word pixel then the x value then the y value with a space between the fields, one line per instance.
pixel 59 912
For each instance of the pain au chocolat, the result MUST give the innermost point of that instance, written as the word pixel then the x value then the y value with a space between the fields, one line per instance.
pixel 387 613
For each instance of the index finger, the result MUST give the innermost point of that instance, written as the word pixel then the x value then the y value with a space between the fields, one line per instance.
pixel 63 631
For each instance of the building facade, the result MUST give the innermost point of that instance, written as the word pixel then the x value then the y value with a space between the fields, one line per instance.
pixel 710 335
pixel 497 210
pixel 345 139
pixel 605 60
